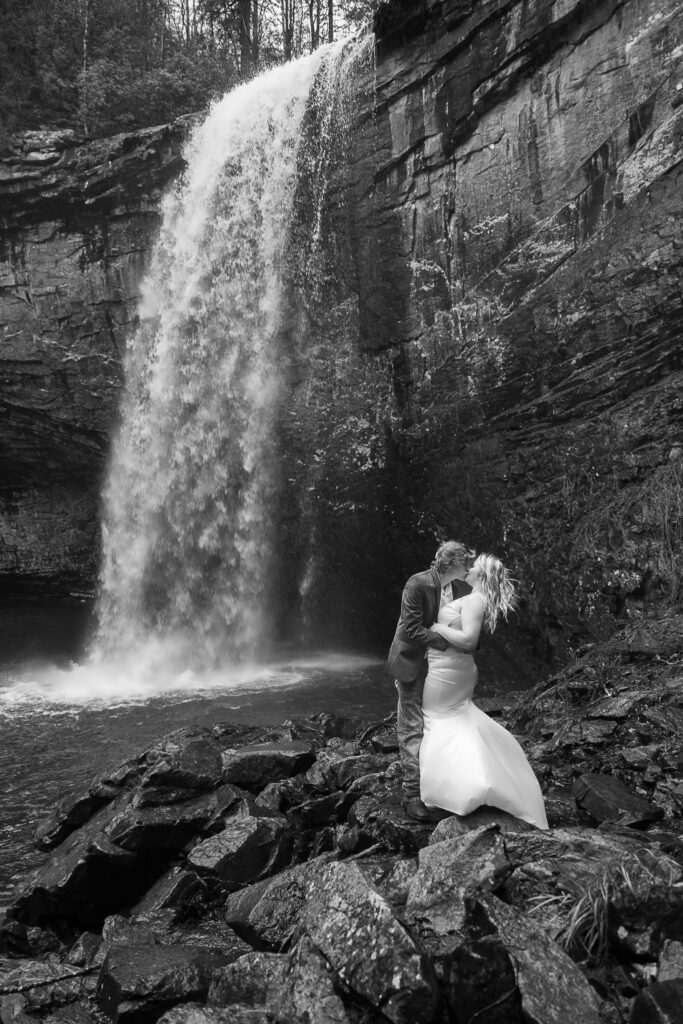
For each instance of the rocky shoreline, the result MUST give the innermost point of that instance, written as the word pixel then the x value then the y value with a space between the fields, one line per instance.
pixel 233 875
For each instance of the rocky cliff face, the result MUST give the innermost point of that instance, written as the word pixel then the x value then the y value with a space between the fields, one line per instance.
pixel 496 347
pixel 516 210
pixel 77 224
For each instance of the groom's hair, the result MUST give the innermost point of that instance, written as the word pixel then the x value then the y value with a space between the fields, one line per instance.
pixel 451 553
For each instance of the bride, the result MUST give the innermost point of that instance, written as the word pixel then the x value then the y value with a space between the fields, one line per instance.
pixel 467 759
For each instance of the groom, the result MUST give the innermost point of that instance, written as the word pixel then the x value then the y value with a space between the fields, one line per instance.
pixel 423 595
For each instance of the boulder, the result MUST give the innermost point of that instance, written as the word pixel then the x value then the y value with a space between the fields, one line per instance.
pixel 161 928
pixel 136 983
pixel 391 874
pixel 86 877
pixel 69 814
pixel 305 993
pixel 185 762
pixel 267 913
pixel 380 818
pixel 606 798
pixel 257 764
pixel 368 949
pixel 449 873
pixel 333 771
pixel 165 829
pixel 177 889
pixel 500 943
pixel 255 843
pixel 197 1013
pixel 248 979
pixel 660 1003
pixel 670 964
pixel 323 810
pixel 455 824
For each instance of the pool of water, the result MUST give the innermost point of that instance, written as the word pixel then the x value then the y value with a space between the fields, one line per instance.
pixel 64 720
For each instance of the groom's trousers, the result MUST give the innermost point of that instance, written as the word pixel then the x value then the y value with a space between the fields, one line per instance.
pixel 409 728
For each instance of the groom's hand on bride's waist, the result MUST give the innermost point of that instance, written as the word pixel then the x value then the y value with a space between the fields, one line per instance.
pixel 437 641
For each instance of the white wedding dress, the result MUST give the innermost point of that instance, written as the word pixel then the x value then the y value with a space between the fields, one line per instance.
pixel 467 759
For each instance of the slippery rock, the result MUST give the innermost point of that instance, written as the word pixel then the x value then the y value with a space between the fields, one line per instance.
pixel 449 873
pixel 379 817
pixel 606 798
pixel 185 763
pixel 501 943
pixel 136 983
pixel 255 765
pixel 332 771
pixel 367 948
pixel 248 979
pixel 178 888
pixel 268 912
pixel 254 843
pixel 670 964
pixel 305 993
pixel 197 1013
pixel 660 1003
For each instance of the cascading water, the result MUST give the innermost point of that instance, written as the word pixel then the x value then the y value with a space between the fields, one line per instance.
pixel 189 507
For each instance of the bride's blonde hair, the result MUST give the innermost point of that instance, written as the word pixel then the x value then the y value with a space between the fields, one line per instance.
pixel 497 588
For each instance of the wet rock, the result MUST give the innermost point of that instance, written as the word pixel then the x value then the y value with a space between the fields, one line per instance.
pixel 267 914
pixel 670 961
pixel 255 765
pixel 177 889
pixel 197 1013
pixel 41 985
pixel 161 928
pixel 456 825
pixel 449 872
pixel 255 843
pixel 380 818
pixel 69 815
pixel 333 772
pixel 551 988
pixel 324 810
pixel 305 993
pixel 87 950
pixel 186 763
pixel 660 1003
pixel 137 983
pixel 391 875
pixel 606 798
pixel 367 948
pixel 248 980
pixel 282 795
pixel 86 877
pixel 162 829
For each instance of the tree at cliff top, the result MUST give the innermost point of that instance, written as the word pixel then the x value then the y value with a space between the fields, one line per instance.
pixel 102 66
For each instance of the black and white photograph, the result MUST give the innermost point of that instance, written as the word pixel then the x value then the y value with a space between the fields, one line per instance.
pixel 341 512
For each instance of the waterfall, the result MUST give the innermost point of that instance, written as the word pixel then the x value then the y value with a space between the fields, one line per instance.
pixel 189 517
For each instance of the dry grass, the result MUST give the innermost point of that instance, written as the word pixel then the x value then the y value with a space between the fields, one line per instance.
pixel 579 922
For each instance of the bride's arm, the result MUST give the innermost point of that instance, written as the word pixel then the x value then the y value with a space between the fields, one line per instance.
pixel 472 617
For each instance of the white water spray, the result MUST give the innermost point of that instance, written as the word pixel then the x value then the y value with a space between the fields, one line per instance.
pixel 188 510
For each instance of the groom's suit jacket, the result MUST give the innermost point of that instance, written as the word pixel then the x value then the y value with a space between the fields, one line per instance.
pixel 419 610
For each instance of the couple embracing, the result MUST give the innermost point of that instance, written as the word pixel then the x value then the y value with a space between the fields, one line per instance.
pixel 453 756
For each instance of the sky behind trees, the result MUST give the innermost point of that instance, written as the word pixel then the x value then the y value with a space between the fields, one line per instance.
pixel 102 66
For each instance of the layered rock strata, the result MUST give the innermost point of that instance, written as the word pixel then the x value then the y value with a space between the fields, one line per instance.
pixel 77 223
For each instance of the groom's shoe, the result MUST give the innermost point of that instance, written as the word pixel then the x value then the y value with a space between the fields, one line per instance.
pixel 416 810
